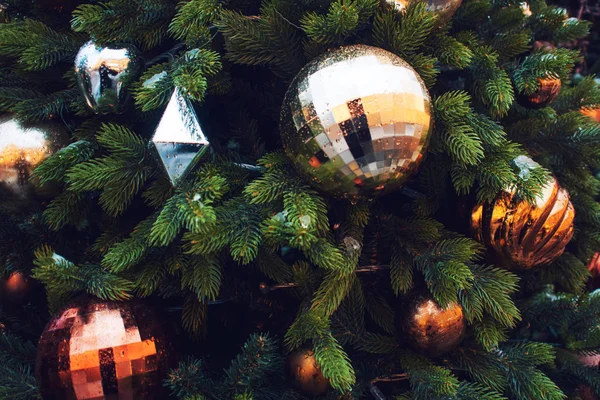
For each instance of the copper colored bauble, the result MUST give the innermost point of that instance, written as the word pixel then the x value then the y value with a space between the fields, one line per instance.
pixel 356 121
pixel 15 288
pixel 97 349
pixel 592 361
pixel 524 235
pixel 594 268
pixel 22 149
pixel 584 392
pixel 429 328
pixel 548 90
pixel 305 372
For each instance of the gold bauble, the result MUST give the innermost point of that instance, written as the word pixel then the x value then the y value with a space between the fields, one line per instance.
pixel 97 349
pixel 444 9
pixel 430 328
pixel 22 149
pixel 524 235
pixel 548 90
pixel 307 376
pixel 356 121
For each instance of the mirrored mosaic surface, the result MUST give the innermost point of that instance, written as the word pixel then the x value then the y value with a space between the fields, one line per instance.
pixel 357 121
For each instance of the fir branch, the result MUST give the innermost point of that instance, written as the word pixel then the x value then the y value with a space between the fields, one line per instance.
pixel 490 293
pixel 54 168
pixel 193 316
pixel 203 276
pixel 189 380
pixel 334 362
pixel 63 210
pixel 258 361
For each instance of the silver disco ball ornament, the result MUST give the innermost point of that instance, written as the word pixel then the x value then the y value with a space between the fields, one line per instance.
pixel 445 9
pixel 104 73
pixel 356 121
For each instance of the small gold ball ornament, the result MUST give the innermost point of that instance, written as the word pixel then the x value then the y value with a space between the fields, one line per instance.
pixel 430 328
pixel 306 373
pixel 444 9
pixel 548 90
pixel 356 121
pixel 22 149
pixel 524 235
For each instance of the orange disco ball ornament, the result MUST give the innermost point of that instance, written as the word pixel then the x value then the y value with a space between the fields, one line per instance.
pixel 97 349
pixel 524 235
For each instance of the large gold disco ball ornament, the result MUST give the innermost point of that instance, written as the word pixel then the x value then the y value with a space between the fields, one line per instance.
pixel 356 121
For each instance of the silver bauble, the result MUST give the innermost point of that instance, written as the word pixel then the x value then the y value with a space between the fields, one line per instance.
pixel 356 121
pixel 104 73
pixel 22 149
pixel 445 9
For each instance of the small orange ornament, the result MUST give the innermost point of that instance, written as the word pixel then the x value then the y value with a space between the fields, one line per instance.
pixel 430 328
pixel 15 288
pixel 593 113
pixel 548 90
pixel 306 373
pixel 594 268
pixel 525 235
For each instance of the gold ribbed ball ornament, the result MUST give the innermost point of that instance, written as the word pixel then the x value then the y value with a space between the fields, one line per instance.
pixel 547 91
pixel 523 235
pixel 22 149
pixel 429 328
pixel 444 9
pixel 356 121
pixel 306 373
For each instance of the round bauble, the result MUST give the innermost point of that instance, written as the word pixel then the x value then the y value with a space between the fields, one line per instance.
pixel 357 121
pixel 104 73
pixel 429 328
pixel 548 90
pixel 15 288
pixel 523 235
pixel 594 268
pixel 307 375
pixel 593 113
pixel 444 9
pixel 97 349
pixel 22 149
pixel 589 360
pixel 526 9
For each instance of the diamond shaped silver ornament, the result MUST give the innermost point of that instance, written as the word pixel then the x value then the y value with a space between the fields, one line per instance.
pixel 178 138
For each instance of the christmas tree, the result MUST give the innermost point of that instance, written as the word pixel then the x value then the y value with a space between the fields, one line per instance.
pixel 263 199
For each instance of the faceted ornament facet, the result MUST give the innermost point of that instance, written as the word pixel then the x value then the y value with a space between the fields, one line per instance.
pixel 178 139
